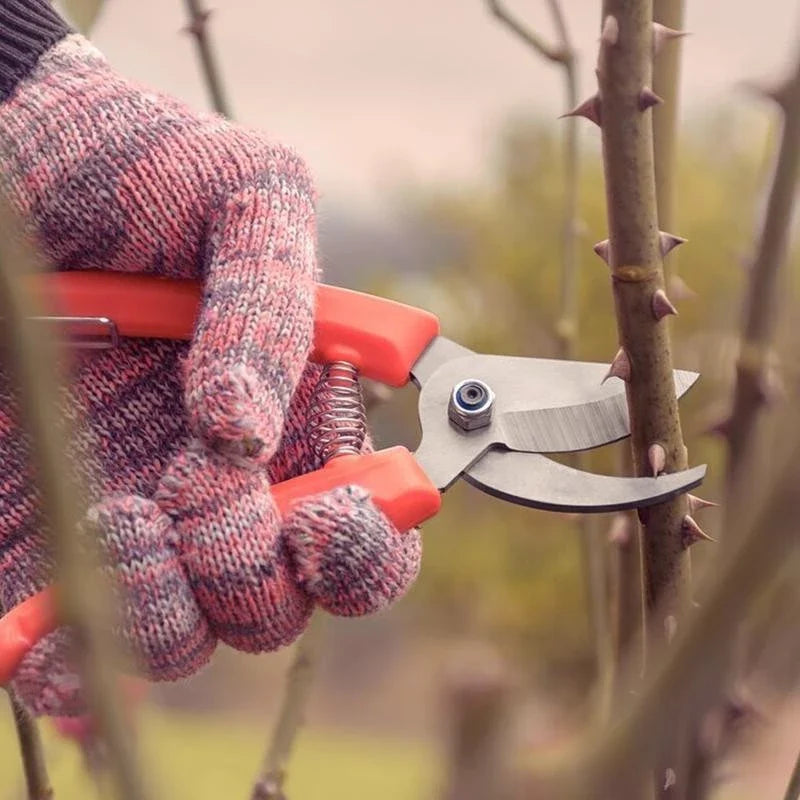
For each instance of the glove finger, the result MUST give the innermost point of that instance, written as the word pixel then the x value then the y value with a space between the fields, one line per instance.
pixel 348 555
pixel 255 327
pixel 160 618
pixel 230 547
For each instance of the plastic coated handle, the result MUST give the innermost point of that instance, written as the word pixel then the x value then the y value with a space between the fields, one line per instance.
pixel 380 337
pixel 22 627
pixel 393 477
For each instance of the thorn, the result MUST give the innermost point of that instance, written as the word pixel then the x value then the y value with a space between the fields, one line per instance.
pixel 771 387
pixel 619 533
pixel 691 532
pixel 657 456
pixel 603 249
pixel 679 289
pixel 197 27
pixel 721 428
pixel 661 305
pixel 670 778
pixel 662 34
pixel 698 504
pixel 670 627
pixel 620 367
pixel 668 242
pixel 648 98
pixel 588 108
pixel 610 33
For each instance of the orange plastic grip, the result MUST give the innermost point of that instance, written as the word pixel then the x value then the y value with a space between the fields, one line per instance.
pixel 380 337
pixel 22 627
pixel 393 477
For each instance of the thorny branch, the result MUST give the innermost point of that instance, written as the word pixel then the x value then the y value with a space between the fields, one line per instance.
pixel 198 28
pixel 37 780
pixel 84 600
pixel 683 681
pixel 634 253
pixel 752 371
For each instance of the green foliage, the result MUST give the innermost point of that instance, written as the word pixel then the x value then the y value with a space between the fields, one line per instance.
pixel 513 574
pixel 82 13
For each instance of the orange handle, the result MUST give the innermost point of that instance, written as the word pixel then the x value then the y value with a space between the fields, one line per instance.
pixel 393 477
pixel 22 627
pixel 380 337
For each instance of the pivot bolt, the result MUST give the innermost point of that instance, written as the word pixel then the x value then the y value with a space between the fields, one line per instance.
pixel 471 404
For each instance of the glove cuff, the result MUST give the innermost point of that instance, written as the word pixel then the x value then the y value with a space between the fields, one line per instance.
pixel 28 29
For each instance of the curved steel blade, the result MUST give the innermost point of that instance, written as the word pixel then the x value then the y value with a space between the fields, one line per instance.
pixel 541 405
pixel 534 480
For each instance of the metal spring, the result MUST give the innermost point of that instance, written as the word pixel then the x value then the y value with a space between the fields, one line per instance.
pixel 337 418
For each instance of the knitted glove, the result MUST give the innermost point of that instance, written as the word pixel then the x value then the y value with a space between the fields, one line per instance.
pixel 177 442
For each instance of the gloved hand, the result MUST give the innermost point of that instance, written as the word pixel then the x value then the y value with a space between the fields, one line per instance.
pixel 178 442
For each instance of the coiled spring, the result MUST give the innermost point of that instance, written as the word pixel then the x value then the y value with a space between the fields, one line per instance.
pixel 337 418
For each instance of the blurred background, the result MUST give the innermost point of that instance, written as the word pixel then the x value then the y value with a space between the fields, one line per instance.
pixel 434 138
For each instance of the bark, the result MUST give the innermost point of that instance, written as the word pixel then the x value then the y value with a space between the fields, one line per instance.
pixel 624 74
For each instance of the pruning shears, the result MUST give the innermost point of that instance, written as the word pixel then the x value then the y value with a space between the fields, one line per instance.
pixel 492 420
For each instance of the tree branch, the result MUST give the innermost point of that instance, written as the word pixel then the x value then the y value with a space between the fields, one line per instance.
pixel 299 679
pixel 198 28
pixel 84 600
pixel 683 679
pixel 557 54
pixel 793 789
pixel 481 744
pixel 37 780
pixel 635 259
pixel 750 392
pixel 666 84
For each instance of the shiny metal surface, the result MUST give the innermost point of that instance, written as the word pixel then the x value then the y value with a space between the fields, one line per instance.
pixel 541 406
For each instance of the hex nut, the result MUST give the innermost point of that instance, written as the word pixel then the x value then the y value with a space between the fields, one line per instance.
pixel 471 404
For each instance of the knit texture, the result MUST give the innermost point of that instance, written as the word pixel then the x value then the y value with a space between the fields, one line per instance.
pixel 178 442
pixel 28 28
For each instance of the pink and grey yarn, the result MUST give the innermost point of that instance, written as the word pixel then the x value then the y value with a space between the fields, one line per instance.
pixel 177 442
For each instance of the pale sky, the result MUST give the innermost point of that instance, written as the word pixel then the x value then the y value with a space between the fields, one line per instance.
pixel 376 91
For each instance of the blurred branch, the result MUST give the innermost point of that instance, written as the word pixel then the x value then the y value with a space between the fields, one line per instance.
pixel 751 390
pixel 557 54
pixel 479 696
pixel 84 600
pixel 793 789
pixel 666 84
pixel 198 28
pixel 683 681
pixel 644 361
pixel 37 780
pixel 299 679
pixel 594 549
